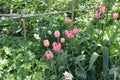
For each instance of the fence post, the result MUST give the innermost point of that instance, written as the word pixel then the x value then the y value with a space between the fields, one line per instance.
pixel 73 5
pixel 24 27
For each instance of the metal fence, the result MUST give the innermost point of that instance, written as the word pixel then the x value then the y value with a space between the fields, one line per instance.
pixel 23 16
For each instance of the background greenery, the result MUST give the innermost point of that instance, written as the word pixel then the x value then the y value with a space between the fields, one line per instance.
pixel 95 51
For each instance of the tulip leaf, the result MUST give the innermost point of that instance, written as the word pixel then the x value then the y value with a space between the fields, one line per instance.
pixel 93 58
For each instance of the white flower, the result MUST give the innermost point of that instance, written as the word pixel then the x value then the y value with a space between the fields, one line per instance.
pixel 49 32
pixel 68 76
pixel 36 36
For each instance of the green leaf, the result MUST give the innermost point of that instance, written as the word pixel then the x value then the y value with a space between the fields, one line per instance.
pixel 79 58
pixel 93 58
pixel 113 70
pixel 74 42
pixel 36 76
pixel 83 40
pixel 7 50
pixel 61 68
pixel 93 73
pixel 60 18
pixel 53 77
pixel 105 63
pixel 113 37
pixel 80 73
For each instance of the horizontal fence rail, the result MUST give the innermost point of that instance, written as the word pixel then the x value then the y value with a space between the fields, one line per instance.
pixel 35 15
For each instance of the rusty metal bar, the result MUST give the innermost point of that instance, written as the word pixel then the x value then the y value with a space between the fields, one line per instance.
pixel 24 27
pixel 35 15
pixel 73 5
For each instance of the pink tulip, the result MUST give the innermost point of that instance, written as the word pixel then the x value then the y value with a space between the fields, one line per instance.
pixel 75 30
pixel 97 15
pixel 69 33
pixel 102 9
pixel 56 46
pixel 46 43
pixel 67 20
pixel 49 54
pixel 57 33
pixel 115 15
pixel 62 40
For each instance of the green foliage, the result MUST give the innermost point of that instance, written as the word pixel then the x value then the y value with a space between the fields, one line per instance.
pixel 92 54
pixel 93 59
